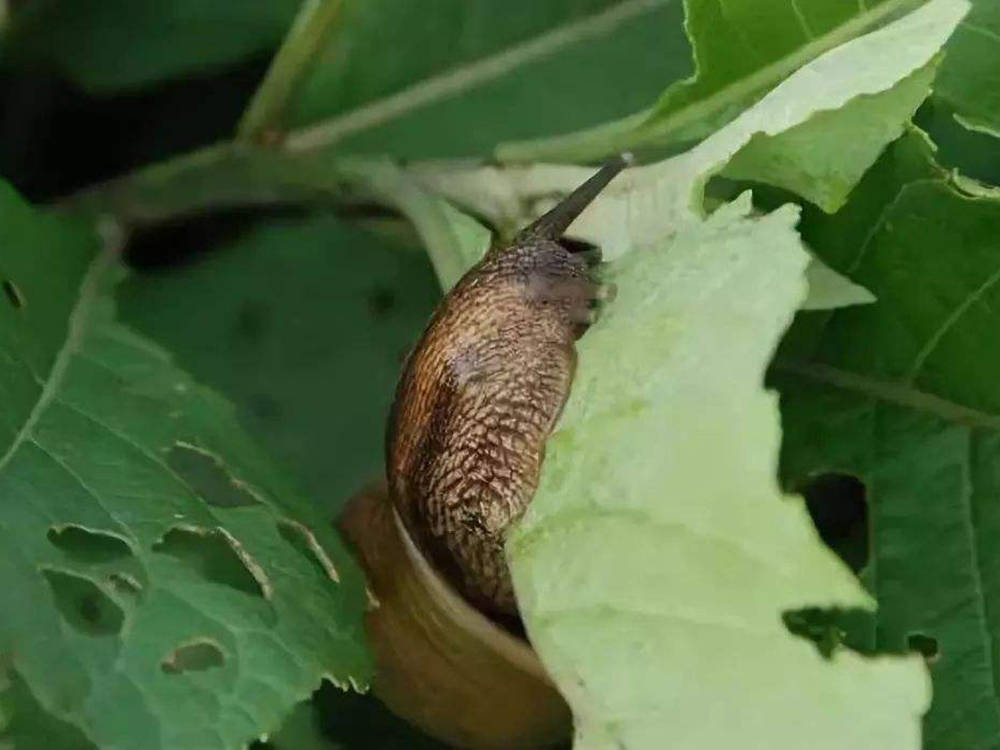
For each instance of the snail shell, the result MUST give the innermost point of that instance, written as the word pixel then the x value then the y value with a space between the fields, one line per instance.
pixel 440 663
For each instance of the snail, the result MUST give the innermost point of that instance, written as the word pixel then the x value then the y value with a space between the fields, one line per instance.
pixel 477 398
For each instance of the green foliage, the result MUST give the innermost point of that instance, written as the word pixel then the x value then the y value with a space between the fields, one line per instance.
pixel 903 395
pixel 821 159
pixel 619 573
pixel 113 44
pixel 426 39
pixel 970 81
pixel 741 49
pixel 313 311
pixel 597 559
pixel 488 76
pixel 161 581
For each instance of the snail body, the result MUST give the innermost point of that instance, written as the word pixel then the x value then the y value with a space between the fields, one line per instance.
pixel 477 399
pixel 480 394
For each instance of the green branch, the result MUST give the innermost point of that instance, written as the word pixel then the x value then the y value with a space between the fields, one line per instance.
pixel 306 39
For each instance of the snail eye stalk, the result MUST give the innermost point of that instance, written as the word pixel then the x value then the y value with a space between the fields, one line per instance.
pixel 552 224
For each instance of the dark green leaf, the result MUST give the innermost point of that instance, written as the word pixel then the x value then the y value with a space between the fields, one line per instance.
pixel 303 323
pixel 969 81
pixel 142 605
pixel 107 45
pixel 469 75
pixel 904 395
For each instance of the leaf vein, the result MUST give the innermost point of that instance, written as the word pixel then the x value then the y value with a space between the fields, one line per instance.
pixel 949 322
pixel 983 616
pixel 900 394
pixel 74 335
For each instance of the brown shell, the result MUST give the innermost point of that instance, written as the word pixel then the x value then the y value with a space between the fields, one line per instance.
pixel 439 663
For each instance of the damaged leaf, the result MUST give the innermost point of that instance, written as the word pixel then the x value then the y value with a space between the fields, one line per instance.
pixel 903 394
pixel 149 595
pixel 659 544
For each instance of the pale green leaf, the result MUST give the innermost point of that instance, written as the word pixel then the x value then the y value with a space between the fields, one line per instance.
pixel 829 289
pixel 823 158
pixel 658 555
pixel 658 545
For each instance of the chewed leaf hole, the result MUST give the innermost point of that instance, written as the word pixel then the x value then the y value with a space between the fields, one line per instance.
pixel 125 584
pixel 13 294
pixel 83 605
pixel 217 556
pixel 830 628
pixel 89 545
pixel 207 476
pixel 303 539
pixel 839 508
pixel 196 656
pixel 924 645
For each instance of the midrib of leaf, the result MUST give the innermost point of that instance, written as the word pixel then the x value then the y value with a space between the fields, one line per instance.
pixel 452 82
pixel 587 143
pixel 75 328
pixel 890 392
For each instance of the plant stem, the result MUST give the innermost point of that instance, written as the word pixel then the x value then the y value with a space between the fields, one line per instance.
pixel 229 174
pixel 222 175
pixel 293 61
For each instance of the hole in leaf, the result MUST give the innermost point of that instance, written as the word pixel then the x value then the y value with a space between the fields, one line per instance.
pixel 196 656
pixel 217 556
pixel 89 545
pixel 208 477
pixel 123 583
pixel 830 628
pixel 924 645
pixel 13 294
pixel 838 506
pixel 303 539
pixel 83 605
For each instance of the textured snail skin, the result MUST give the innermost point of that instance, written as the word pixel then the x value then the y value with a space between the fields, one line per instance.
pixel 480 394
